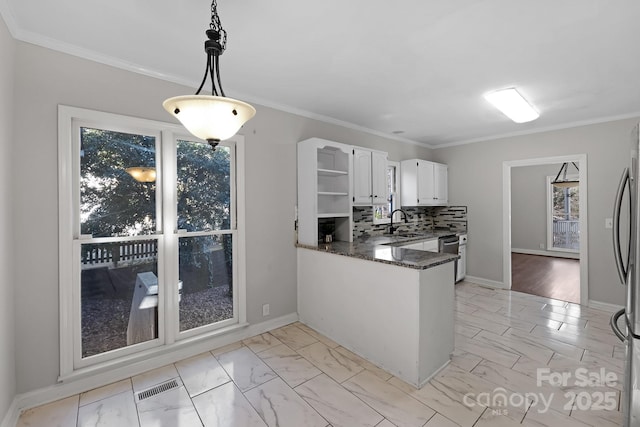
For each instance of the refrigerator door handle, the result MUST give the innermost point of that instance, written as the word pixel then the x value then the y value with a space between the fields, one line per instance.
pixel 622 269
pixel 614 325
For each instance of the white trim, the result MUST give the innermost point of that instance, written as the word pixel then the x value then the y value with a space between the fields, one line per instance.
pixel 88 54
pixel 433 375
pixel 240 195
pixel 10 21
pixel 169 214
pixel 19 33
pixel 484 282
pixel 604 306
pixel 396 194
pixel 554 254
pixel 11 416
pixel 78 385
pixel 65 228
pixel 539 130
pixel 72 365
pixel 581 159
pixel 549 214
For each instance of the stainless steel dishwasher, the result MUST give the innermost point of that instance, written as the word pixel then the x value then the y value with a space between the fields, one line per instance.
pixel 450 245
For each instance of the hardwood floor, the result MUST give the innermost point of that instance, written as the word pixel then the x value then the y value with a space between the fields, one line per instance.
pixel 545 276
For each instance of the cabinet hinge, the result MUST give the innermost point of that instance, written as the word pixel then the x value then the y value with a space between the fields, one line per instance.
pixel 353 152
pixel 417 163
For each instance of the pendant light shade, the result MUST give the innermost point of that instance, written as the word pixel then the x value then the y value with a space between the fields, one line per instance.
pixel 563 182
pixel 211 117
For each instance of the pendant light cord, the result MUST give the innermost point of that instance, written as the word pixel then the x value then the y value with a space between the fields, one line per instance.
pixel 214 47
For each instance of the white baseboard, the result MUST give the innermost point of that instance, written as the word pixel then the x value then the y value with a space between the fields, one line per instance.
pixel 11 417
pixel 555 254
pixel 484 282
pixel 72 387
pixel 604 306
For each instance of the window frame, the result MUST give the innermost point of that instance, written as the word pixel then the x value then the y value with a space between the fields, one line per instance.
pixel 393 197
pixel 70 241
pixel 549 217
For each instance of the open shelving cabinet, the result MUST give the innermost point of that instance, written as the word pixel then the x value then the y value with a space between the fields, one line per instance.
pixel 324 191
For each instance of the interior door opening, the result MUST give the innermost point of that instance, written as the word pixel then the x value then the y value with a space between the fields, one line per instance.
pixel 545 231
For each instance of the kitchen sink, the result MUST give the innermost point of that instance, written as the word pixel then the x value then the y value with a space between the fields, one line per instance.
pixel 412 234
pixel 402 235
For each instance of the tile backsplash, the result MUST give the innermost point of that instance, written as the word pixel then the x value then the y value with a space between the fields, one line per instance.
pixel 420 219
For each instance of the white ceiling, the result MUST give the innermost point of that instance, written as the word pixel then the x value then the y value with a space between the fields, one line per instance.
pixel 420 67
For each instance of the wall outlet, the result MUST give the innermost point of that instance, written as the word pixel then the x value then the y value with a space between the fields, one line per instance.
pixel 265 309
pixel 541 245
pixel 608 223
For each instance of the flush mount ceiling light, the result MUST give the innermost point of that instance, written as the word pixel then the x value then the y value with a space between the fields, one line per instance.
pixel 512 105
pixel 564 182
pixel 214 117
pixel 142 174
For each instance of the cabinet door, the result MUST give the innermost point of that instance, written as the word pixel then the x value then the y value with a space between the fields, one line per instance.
pixel 441 185
pixel 379 177
pixel 426 193
pixel 409 182
pixel 362 191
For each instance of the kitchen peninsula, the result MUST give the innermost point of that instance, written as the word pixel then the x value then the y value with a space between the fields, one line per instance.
pixel 391 305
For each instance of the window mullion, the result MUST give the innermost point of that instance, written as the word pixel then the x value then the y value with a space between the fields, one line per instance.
pixel 169 204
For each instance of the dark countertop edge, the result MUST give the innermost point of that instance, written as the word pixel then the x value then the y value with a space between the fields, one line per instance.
pixel 327 248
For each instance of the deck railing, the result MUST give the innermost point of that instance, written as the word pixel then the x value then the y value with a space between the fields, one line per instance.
pixel 566 234
pixel 118 252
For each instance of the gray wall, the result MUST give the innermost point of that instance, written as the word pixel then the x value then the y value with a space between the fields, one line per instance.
pixel 475 180
pixel 529 205
pixel 270 136
pixel 7 319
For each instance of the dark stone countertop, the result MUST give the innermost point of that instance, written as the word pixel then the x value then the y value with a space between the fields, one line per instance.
pixel 386 249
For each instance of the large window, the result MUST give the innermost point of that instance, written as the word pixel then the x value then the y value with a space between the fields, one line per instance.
pixel 563 217
pixel 148 237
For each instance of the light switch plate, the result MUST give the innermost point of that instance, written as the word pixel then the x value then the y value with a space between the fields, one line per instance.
pixel 608 223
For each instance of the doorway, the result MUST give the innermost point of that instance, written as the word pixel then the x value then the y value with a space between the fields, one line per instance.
pixel 545 228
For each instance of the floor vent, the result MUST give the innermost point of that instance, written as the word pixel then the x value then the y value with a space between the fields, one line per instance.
pixel 160 388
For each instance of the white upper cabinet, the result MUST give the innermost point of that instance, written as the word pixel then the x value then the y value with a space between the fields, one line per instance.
pixel 423 183
pixel 441 188
pixel 362 188
pixel 379 164
pixel 369 177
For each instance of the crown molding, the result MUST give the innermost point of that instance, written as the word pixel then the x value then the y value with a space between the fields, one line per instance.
pixel 541 130
pixel 70 49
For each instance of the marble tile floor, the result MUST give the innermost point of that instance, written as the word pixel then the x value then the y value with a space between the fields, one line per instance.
pixel 519 360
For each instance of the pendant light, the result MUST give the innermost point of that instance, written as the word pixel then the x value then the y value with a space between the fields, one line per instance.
pixel 214 117
pixel 142 174
pixel 564 182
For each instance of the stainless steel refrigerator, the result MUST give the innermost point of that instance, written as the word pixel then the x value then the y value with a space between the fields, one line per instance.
pixel 626 322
